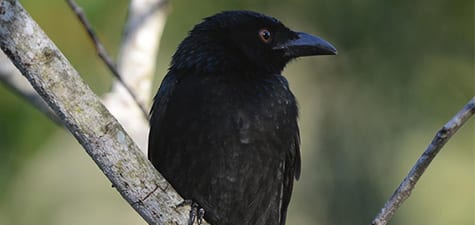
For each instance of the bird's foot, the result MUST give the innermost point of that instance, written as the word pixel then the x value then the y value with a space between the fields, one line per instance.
pixel 201 214
pixel 196 213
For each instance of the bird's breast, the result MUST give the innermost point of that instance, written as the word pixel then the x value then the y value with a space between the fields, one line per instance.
pixel 229 136
pixel 230 117
pixel 251 111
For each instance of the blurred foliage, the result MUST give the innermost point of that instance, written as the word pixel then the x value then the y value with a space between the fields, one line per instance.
pixel 404 69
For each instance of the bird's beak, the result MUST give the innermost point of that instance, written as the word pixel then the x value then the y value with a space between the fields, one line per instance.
pixel 306 45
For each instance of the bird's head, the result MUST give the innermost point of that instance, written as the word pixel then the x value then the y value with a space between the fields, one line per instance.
pixel 244 41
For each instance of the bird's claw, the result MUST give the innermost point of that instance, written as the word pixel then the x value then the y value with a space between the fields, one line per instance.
pixel 201 214
pixel 196 212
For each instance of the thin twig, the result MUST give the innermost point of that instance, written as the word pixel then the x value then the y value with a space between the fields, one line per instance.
pixel 101 51
pixel 407 185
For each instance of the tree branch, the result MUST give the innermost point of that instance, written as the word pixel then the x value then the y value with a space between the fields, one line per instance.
pixel 101 51
pixel 140 43
pixel 405 188
pixel 136 61
pixel 12 79
pixel 136 64
pixel 52 76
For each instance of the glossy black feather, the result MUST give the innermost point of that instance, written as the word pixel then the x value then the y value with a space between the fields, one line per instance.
pixel 224 126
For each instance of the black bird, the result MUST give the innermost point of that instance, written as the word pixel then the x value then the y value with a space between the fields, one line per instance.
pixel 224 126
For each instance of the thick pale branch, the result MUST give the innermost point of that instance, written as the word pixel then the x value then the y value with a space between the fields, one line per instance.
pixel 87 119
pixel 405 188
pixel 136 62
pixel 140 43
pixel 12 79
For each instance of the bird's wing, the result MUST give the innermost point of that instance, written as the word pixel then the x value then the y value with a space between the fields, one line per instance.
pixel 291 171
pixel 160 103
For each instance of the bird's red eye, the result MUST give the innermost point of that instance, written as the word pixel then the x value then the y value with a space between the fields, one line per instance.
pixel 265 35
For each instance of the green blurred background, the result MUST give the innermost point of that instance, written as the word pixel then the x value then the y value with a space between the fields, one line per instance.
pixel 404 69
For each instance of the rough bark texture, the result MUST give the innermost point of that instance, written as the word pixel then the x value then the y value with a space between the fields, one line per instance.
pixel 12 79
pixel 86 118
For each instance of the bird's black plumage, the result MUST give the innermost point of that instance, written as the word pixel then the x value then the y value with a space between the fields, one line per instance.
pixel 224 126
